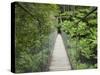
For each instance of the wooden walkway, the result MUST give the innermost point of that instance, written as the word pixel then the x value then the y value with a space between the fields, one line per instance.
pixel 59 60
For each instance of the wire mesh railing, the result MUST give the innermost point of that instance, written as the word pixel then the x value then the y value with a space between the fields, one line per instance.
pixel 74 45
pixel 34 41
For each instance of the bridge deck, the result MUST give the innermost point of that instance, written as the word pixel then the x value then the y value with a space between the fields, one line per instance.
pixel 59 60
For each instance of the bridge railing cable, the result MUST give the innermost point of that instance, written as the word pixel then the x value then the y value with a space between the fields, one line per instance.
pixel 47 42
pixel 72 46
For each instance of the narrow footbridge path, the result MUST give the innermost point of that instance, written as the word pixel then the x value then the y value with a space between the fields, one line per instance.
pixel 59 60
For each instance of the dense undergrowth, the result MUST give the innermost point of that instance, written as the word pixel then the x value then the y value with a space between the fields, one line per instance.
pixel 80 38
pixel 35 36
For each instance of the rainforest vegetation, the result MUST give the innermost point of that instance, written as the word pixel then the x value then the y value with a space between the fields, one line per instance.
pixel 36 31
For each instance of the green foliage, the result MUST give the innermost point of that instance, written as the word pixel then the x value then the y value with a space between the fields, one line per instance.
pixel 36 33
pixel 81 38
pixel 33 33
pixel 82 66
